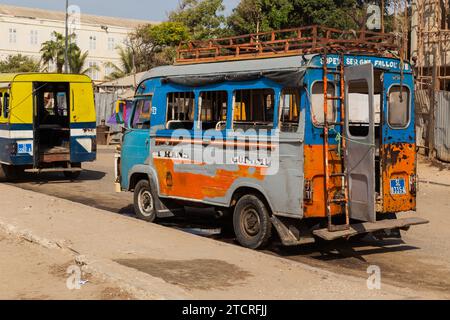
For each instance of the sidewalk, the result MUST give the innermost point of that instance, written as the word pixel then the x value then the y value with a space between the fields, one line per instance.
pixel 154 262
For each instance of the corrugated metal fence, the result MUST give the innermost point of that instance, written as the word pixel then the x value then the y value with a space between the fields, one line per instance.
pixel 104 105
pixel 442 131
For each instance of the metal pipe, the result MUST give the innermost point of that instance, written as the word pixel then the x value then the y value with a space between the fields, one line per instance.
pixel 66 51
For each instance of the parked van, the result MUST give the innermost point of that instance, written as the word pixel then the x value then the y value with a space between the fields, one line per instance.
pixel 312 146
pixel 47 123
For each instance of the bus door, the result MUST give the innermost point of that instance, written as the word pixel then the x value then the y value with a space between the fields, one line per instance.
pixel 136 140
pixel 360 141
pixel 398 139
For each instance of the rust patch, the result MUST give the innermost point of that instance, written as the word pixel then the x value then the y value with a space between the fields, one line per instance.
pixel 399 162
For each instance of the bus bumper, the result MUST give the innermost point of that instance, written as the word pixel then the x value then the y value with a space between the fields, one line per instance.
pixel 369 227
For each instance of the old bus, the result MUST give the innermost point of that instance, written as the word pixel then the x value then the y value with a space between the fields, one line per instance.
pixel 312 146
pixel 47 123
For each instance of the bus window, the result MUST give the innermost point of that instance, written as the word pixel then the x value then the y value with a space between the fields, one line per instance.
pixel 254 109
pixel 1 104
pixel 359 113
pixel 290 110
pixel 317 96
pixel 399 107
pixel 213 110
pixel 6 105
pixel 180 110
pixel 141 116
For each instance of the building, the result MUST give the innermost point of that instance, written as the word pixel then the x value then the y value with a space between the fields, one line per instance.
pixel 430 43
pixel 23 30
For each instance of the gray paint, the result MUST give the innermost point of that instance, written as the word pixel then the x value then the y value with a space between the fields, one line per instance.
pixel 202 69
pixel 360 152
pixel 442 131
pixel 283 191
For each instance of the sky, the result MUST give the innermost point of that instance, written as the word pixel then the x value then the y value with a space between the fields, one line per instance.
pixel 153 10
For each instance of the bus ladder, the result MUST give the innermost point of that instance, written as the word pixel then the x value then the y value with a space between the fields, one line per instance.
pixel 341 147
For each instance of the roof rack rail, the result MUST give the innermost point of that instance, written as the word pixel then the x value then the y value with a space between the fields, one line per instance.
pixel 288 42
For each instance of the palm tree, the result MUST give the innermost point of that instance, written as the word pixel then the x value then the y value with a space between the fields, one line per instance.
pixel 54 50
pixel 77 62
pixel 126 64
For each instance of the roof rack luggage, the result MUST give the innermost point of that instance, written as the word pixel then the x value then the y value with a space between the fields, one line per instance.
pixel 288 42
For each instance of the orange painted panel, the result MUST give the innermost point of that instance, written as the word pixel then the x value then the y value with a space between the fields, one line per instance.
pixel 399 161
pixel 314 171
pixel 197 186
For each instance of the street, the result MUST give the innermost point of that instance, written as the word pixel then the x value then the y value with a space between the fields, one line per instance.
pixel 420 261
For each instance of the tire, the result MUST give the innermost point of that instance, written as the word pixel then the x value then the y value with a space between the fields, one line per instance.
pixel 145 201
pixel 72 175
pixel 8 173
pixel 251 222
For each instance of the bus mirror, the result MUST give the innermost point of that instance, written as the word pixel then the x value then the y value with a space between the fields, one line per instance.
pixel 121 112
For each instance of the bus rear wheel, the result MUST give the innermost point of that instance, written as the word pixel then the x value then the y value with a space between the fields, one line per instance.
pixel 251 222
pixel 144 201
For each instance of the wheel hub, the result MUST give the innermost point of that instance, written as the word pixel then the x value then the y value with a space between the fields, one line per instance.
pixel 251 222
pixel 146 202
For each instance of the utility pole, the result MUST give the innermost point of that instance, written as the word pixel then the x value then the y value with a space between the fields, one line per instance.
pixel 66 52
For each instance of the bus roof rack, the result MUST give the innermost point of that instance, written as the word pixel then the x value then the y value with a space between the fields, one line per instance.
pixel 288 42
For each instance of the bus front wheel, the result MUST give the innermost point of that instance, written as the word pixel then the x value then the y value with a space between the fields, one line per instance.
pixel 251 221
pixel 144 201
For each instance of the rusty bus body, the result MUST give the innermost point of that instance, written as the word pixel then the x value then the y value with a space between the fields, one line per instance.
pixel 276 106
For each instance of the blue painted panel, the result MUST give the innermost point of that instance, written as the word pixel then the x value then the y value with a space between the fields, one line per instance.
pixel 78 153
pixel 397 135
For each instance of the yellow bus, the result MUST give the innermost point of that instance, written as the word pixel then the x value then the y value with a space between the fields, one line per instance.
pixel 47 123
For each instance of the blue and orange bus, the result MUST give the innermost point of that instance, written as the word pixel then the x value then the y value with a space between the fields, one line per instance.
pixel 308 145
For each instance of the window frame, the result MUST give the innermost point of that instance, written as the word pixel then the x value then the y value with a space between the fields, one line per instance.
pixel 388 104
pixel 276 95
pixel 298 92
pixel 6 108
pixel 335 108
pixel 194 106
pixel 1 104
pixel 199 108
pixel 133 114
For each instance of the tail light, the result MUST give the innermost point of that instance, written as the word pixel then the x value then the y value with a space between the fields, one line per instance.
pixel 308 190
pixel 12 149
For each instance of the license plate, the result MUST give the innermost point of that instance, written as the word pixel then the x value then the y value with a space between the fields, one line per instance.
pixel 398 187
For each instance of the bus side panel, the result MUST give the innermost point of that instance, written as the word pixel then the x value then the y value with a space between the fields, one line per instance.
pixel 315 207
pixel 399 163
pixel 82 123
pixel 19 128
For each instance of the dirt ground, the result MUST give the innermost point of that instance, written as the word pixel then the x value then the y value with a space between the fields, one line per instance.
pixel 421 260
pixel 31 272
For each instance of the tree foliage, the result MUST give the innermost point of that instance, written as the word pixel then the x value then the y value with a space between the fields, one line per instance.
pixel 264 15
pixel 53 51
pixel 19 63
pixel 203 18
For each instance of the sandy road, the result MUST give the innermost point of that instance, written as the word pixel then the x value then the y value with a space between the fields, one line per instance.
pixel 420 261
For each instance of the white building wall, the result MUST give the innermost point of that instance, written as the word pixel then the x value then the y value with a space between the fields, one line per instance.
pixel 19 35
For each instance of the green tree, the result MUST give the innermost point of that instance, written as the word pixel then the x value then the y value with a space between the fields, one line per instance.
pixel 126 66
pixel 264 15
pixel 203 18
pixel 77 62
pixel 252 16
pixel 149 46
pixel 19 63
pixel 54 50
